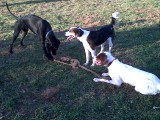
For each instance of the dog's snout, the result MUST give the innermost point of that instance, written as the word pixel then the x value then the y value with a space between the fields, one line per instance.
pixel 67 33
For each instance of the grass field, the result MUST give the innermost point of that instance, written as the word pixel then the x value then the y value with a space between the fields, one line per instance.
pixel 32 88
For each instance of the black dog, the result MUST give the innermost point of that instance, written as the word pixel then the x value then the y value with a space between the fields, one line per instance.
pixel 38 26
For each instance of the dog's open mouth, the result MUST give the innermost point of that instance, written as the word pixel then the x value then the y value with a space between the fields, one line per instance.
pixel 70 37
pixel 98 63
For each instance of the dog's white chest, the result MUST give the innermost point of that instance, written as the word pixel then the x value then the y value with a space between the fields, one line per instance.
pixel 86 45
pixel 84 36
pixel 83 39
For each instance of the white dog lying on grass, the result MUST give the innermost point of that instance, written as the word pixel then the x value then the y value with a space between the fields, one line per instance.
pixel 144 82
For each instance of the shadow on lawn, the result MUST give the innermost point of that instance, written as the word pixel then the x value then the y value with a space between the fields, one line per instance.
pixel 32 56
pixel 125 40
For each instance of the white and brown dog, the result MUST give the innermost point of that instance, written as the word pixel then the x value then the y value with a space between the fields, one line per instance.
pixel 92 39
pixel 144 82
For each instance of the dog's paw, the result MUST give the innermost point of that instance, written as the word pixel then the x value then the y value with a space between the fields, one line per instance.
pixel 49 57
pixel 96 79
pixel 92 65
pixel 22 44
pixel 85 64
pixel 105 74
pixel 10 51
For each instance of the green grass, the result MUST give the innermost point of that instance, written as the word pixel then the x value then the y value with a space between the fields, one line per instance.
pixel 25 75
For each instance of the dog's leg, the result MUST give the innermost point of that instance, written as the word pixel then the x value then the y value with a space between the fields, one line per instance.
pixel 110 43
pixel 47 53
pixel 144 90
pixel 48 47
pixel 93 53
pixel 100 80
pixel 87 57
pixel 141 90
pixel 15 35
pixel 102 48
pixel 105 74
pixel 23 36
pixel 116 82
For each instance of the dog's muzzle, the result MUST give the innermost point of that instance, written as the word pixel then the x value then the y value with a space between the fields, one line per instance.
pixel 70 37
pixel 98 63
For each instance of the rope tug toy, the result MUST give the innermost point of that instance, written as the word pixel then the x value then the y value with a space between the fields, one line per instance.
pixel 75 64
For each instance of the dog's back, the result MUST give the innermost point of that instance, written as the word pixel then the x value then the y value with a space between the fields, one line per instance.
pixel 35 23
pixel 100 36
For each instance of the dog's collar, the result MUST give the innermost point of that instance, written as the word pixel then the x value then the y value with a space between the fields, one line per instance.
pixel 48 33
pixel 110 63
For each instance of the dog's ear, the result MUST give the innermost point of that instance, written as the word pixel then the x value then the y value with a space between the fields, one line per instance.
pixel 53 48
pixel 53 41
pixel 56 44
pixel 78 32
pixel 48 54
pixel 102 59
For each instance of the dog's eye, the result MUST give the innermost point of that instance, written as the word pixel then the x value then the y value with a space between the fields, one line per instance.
pixel 98 62
pixel 71 30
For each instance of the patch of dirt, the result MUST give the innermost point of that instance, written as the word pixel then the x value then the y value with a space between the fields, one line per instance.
pixel 93 25
pixel 90 22
pixel 150 14
pixel 4 52
pixel 50 93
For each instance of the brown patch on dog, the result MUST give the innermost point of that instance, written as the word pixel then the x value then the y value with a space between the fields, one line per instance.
pixel 101 59
pixel 77 32
pixel 74 31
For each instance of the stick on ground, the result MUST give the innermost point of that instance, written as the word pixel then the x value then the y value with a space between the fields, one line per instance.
pixel 75 64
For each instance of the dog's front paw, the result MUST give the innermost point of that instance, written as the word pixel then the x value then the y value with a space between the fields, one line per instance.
pixel 22 44
pixel 96 79
pixel 10 51
pixel 85 64
pixel 92 65
pixel 49 57
pixel 105 74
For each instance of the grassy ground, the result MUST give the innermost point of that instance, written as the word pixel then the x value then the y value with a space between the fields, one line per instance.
pixel 32 88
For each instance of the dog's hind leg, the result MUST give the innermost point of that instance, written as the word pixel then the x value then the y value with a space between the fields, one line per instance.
pixel 105 74
pixel 110 43
pixel 23 36
pixel 102 48
pixel 15 35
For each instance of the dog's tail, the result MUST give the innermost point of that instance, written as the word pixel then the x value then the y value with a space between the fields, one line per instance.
pixel 114 18
pixel 10 11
